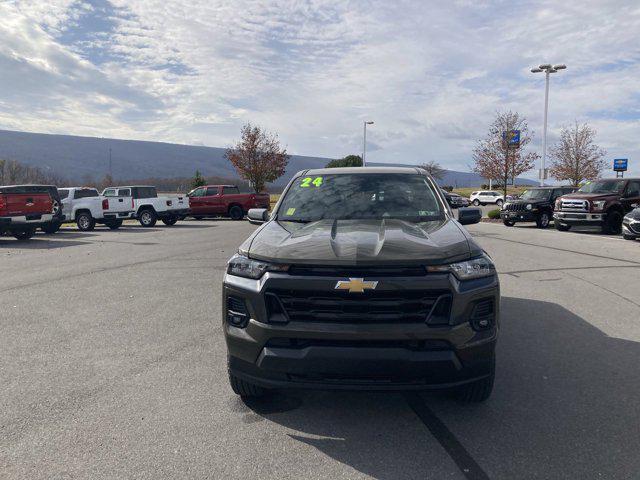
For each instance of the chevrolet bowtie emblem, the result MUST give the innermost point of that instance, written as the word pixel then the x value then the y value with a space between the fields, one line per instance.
pixel 356 285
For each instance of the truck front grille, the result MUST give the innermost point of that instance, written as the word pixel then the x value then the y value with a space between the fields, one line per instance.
pixel 515 207
pixel 362 308
pixel 350 271
pixel 575 205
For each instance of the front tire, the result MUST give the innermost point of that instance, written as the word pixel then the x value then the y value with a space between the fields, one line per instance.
pixel 628 237
pixel 480 390
pixel 85 222
pixel 543 220
pixel 613 224
pixel 51 228
pixel 170 221
pixel 24 235
pixel 509 223
pixel 245 389
pixel 236 213
pixel 148 218
pixel 561 227
pixel 115 224
pixel 499 203
pixel 476 202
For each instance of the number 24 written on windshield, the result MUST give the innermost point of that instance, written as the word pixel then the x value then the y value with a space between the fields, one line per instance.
pixel 308 181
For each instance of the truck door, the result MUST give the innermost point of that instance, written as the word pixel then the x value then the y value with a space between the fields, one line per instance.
pixel 631 195
pixel 215 201
pixel 196 201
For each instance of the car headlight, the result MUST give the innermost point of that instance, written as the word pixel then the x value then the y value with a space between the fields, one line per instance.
pixel 242 266
pixel 529 206
pixel 599 204
pixel 475 268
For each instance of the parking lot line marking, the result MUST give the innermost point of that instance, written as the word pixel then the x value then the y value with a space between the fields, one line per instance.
pixel 462 458
pixel 566 250
pixel 563 269
pixel 605 289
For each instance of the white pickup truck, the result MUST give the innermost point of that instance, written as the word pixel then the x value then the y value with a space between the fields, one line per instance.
pixel 148 207
pixel 86 207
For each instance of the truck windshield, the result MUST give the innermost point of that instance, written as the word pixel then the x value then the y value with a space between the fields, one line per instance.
pixel 361 196
pixel 538 194
pixel 603 186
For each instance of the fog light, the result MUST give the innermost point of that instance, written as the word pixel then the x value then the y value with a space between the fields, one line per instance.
pixel 482 317
pixel 237 314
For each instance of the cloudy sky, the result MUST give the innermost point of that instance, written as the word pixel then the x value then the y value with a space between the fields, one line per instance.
pixel 430 74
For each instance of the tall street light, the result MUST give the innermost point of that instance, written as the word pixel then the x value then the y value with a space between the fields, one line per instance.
pixel 364 143
pixel 548 69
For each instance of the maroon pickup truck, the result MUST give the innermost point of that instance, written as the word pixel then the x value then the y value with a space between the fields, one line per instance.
pixel 225 201
pixel 23 209
pixel 600 203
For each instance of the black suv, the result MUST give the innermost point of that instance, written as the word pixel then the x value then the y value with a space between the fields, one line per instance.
pixel 361 279
pixel 534 205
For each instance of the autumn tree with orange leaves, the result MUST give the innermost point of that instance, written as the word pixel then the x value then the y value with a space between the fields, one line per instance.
pixel 258 157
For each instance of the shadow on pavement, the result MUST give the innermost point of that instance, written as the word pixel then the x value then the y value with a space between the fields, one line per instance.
pixel 39 243
pixel 566 405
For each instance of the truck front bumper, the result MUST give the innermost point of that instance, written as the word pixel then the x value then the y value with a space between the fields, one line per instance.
pixel 580 219
pixel 519 216
pixel 336 355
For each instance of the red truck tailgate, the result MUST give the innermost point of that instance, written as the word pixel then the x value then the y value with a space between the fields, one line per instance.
pixel 21 204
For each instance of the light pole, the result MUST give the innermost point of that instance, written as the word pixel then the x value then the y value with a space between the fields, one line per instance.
pixel 547 68
pixel 364 143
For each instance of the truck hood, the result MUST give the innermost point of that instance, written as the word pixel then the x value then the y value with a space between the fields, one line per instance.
pixel 361 242
pixel 589 196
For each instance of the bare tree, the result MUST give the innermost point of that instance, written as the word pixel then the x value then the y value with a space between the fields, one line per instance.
pixel 495 158
pixel 434 169
pixel 258 157
pixel 576 157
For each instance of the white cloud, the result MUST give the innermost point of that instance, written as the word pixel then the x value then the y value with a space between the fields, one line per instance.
pixel 431 74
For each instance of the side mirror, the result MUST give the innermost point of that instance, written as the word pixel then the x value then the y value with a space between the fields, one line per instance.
pixel 468 216
pixel 258 215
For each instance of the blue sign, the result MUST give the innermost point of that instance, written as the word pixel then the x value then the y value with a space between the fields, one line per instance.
pixel 514 137
pixel 620 164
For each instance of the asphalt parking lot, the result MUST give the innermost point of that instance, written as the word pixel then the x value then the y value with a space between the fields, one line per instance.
pixel 113 366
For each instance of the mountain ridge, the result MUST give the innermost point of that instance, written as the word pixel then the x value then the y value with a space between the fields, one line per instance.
pixel 86 159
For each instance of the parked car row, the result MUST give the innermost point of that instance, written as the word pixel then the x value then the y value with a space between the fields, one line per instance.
pixel 612 205
pixel 25 208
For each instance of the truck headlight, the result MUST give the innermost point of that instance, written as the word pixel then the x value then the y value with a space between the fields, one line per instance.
pixel 469 269
pixel 242 266
pixel 599 204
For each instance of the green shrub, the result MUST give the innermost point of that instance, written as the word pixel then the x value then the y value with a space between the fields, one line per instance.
pixel 494 213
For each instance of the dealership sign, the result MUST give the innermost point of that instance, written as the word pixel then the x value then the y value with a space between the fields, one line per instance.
pixel 620 165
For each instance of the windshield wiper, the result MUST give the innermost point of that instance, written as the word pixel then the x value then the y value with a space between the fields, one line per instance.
pixel 295 220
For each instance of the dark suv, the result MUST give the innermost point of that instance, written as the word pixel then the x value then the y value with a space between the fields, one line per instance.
pixel 534 205
pixel 362 279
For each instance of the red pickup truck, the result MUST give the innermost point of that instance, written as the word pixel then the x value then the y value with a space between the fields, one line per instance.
pixel 224 200
pixel 23 209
